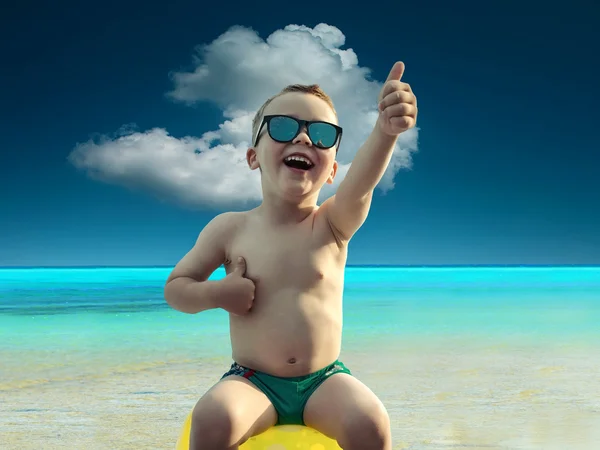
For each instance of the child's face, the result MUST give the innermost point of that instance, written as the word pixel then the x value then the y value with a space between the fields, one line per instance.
pixel 271 156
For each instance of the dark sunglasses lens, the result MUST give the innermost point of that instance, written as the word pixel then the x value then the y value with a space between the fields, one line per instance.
pixel 322 134
pixel 283 129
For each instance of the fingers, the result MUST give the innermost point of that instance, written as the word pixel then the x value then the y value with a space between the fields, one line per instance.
pixel 397 103
pixel 397 97
pixel 402 123
pixel 395 86
pixel 251 298
pixel 396 72
pixel 399 110
pixel 240 266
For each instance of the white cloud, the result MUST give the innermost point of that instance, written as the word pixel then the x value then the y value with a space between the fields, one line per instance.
pixel 238 71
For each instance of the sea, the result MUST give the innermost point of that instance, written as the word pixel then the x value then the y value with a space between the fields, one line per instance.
pixel 69 325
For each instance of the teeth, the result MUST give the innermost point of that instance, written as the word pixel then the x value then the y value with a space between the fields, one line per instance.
pixel 298 158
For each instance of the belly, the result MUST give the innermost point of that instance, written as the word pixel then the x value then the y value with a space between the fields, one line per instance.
pixel 289 334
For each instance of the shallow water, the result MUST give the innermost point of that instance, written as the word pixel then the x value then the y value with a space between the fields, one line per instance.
pixel 462 358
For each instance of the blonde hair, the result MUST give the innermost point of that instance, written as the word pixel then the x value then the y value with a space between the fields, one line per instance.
pixel 313 89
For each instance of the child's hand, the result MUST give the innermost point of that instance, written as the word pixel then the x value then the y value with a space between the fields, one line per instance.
pixel 397 104
pixel 237 293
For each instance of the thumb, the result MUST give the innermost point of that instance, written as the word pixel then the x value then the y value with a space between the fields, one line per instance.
pixel 240 267
pixel 396 72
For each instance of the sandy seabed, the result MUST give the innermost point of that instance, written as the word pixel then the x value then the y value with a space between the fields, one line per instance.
pixel 441 394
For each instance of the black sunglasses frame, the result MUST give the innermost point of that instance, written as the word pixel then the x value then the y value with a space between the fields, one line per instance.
pixel 301 125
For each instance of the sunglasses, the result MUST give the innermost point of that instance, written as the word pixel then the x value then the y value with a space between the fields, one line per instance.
pixel 285 129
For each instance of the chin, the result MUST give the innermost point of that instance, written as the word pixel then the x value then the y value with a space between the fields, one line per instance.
pixel 297 193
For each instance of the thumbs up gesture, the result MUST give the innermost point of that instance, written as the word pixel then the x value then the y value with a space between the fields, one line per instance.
pixel 237 293
pixel 397 104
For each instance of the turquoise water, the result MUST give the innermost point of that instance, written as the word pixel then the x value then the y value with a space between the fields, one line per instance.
pixel 499 352
pixel 61 307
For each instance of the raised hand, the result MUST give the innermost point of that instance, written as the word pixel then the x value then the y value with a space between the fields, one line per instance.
pixel 397 103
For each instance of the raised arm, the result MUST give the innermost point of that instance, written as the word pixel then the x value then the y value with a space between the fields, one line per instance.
pixel 187 288
pixel 347 210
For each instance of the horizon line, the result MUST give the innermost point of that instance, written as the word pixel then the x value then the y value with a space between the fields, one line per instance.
pixel 407 266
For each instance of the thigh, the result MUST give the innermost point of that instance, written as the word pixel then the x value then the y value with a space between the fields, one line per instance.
pixel 343 406
pixel 231 412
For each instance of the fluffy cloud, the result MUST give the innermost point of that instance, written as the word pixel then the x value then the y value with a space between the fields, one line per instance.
pixel 238 71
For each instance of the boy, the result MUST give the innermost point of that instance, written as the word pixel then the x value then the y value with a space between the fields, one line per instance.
pixel 285 264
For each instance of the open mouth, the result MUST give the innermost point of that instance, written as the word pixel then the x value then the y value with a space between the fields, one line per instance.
pixel 298 162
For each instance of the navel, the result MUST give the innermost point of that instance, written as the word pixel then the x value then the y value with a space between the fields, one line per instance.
pixel 292 361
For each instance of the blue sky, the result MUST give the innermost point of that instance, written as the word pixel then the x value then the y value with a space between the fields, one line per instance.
pixel 506 170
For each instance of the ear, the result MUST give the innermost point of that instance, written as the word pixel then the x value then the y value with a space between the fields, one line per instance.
pixel 333 172
pixel 252 159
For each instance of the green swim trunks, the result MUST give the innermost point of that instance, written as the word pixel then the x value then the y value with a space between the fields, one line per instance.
pixel 288 395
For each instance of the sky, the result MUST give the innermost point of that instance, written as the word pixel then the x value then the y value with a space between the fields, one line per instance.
pixel 124 125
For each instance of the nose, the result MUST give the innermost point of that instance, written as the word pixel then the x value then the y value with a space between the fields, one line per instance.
pixel 303 138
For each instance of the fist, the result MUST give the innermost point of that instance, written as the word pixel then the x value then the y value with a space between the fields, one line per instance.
pixel 397 104
pixel 237 294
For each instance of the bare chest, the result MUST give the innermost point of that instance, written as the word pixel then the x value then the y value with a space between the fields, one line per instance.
pixel 293 257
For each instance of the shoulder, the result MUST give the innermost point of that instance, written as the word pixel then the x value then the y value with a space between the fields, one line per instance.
pixel 228 219
pixel 226 223
pixel 222 227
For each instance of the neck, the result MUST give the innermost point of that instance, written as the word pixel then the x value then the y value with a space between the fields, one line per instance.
pixel 286 211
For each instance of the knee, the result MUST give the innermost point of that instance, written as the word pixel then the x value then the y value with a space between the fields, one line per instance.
pixel 212 428
pixel 368 429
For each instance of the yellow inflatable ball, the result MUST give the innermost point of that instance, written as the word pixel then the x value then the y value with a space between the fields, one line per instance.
pixel 282 437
